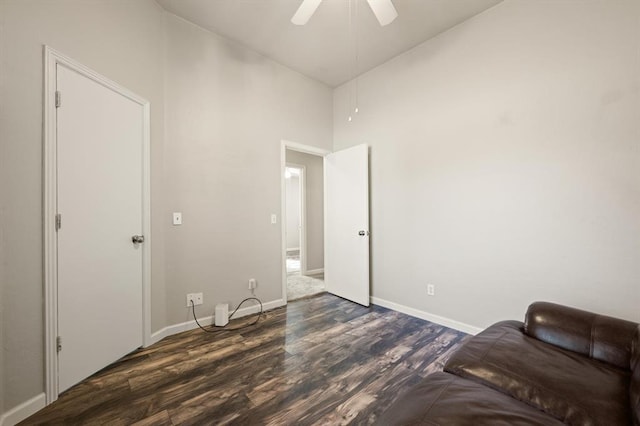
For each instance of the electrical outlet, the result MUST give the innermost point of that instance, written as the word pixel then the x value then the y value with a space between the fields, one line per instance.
pixel 431 290
pixel 177 218
pixel 196 297
pixel 252 284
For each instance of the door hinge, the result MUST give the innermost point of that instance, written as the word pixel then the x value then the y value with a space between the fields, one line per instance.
pixel 58 344
pixel 58 221
pixel 58 99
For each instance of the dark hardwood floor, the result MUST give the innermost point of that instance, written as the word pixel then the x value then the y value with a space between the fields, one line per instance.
pixel 321 360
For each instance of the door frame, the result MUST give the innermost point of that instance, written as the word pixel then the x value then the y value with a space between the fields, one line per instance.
pixel 52 58
pixel 307 149
pixel 302 205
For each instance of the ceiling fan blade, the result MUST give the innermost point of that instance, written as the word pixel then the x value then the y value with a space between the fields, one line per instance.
pixel 305 11
pixel 384 11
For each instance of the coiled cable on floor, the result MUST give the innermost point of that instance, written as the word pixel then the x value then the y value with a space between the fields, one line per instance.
pixel 217 330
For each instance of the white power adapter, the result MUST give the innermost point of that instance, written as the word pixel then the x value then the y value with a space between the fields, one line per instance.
pixel 222 314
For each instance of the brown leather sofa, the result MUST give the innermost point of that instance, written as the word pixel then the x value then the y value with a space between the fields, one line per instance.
pixel 561 366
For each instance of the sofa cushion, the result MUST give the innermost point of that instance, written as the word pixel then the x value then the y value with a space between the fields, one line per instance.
pixel 597 336
pixel 571 387
pixel 634 391
pixel 445 399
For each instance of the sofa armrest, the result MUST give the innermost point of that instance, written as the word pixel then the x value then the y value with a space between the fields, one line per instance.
pixel 599 337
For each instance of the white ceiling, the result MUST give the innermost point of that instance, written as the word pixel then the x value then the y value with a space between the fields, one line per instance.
pixel 324 49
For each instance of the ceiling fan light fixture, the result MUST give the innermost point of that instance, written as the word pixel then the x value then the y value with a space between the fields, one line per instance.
pixel 384 11
pixel 305 11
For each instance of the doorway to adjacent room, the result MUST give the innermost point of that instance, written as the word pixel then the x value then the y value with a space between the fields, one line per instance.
pixel 304 224
pixel 336 249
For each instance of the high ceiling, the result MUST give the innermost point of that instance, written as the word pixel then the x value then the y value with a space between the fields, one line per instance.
pixel 324 49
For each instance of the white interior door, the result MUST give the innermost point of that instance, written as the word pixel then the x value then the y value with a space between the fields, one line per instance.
pixel 347 224
pixel 99 197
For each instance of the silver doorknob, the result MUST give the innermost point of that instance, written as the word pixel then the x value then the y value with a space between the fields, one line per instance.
pixel 363 233
pixel 137 239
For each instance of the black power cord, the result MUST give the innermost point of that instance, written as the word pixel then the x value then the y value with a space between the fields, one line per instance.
pixel 193 309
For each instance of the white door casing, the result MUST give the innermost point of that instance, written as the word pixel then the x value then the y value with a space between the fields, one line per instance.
pixel 97 178
pixel 347 224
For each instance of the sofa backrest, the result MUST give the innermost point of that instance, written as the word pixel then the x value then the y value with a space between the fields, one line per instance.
pixel 634 388
pixel 600 337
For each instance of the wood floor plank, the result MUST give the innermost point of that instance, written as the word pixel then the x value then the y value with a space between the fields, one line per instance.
pixel 161 418
pixel 321 360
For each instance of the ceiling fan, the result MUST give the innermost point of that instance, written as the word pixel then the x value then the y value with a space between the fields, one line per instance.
pixel 383 9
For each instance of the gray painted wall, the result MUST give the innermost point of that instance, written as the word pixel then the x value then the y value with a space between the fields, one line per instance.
pixel 505 162
pixel 227 110
pixel 315 205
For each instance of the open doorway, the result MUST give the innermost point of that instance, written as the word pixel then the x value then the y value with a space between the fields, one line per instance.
pixel 303 224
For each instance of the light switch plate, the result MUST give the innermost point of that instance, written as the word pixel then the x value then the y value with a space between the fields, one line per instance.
pixel 177 218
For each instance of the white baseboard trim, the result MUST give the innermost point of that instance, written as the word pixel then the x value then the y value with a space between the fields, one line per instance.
pixel 24 410
pixel 314 271
pixel 159 335
pixel 190 325
pixel 456 325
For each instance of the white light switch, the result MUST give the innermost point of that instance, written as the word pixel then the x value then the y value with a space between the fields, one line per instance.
pixel 177 218
pixel 274 219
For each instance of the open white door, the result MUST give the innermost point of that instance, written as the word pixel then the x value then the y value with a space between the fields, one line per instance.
pixel 100 203
pixel 347 224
